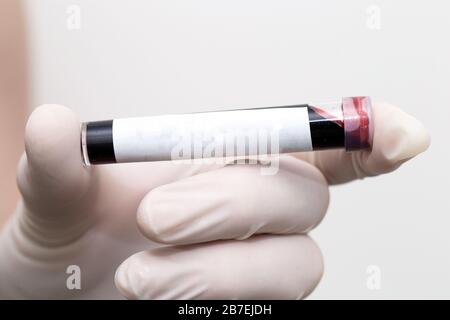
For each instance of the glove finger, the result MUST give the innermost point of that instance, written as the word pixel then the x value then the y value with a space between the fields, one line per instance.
pixel 50 172
pixel 235 202
pixel 262 267
pixel 398 137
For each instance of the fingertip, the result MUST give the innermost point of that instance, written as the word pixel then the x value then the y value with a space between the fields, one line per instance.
pixel 316 260
pixel 53 166
pixel 121 281
pixel 49 127
pixel 144 220
pixel 398 137
pixel 158 219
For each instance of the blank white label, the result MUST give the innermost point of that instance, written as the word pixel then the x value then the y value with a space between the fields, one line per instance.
pixel 212 134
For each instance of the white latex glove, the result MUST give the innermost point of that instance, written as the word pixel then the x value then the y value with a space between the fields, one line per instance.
pixel 232 232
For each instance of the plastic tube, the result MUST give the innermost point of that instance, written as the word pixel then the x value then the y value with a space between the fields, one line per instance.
pixel 344 124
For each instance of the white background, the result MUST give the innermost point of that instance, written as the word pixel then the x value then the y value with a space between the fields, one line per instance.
pixel 141 57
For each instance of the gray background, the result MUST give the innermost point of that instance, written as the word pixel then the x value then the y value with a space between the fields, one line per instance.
pixel 145 57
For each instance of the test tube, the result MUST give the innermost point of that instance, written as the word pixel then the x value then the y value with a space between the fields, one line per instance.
pixel 345 124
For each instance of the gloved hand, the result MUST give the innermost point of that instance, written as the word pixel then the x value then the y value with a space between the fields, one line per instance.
pixel 230 231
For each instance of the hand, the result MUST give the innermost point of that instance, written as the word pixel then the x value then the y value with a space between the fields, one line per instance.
pixel 230 231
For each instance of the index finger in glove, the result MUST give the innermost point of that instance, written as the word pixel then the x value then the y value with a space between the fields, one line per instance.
pixel 398 137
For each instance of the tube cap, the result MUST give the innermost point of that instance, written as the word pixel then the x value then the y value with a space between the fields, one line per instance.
pixel 358 122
